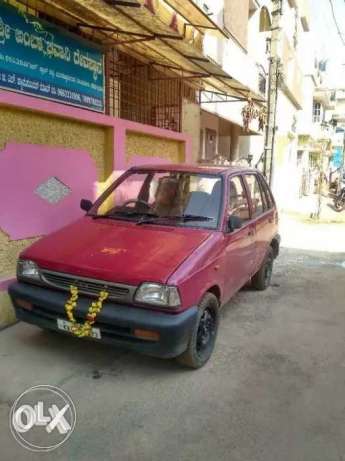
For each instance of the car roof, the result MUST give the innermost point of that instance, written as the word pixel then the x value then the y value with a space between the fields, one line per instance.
pixel 190 168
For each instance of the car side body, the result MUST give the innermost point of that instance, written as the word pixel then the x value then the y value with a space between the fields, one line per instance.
pixel 227 260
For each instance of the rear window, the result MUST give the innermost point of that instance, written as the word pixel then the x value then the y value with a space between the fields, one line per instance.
pixel 256 194
pixel 238 203
pixel 267 194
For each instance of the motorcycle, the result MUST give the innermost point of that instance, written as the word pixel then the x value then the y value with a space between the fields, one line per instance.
pixel 339 201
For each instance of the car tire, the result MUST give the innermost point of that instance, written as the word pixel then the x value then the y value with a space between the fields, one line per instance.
pixel 203 337
pixel 262 279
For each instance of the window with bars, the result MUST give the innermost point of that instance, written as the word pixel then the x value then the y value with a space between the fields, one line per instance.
pixel 138 92
pixel 316 112
pixel 262 83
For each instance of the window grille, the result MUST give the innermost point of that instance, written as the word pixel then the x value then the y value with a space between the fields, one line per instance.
pixel 138 92
pixel 316 112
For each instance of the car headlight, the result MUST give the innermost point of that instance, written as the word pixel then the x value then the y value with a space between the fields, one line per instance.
pixel 158 295
pixel 27 269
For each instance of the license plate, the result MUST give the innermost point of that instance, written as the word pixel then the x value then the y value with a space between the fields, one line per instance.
pixel 65 325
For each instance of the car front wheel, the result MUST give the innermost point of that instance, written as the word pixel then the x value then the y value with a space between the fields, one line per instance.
pixel 204 333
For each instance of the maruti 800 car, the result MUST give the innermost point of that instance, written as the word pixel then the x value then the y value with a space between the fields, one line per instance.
pixel 169 244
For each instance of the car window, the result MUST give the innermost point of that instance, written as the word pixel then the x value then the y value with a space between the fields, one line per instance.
pixel 264 196
pixel 267 195
pixel 255 194
pixel 238 202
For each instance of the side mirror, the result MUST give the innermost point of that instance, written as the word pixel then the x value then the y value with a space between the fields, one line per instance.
pixel 86 205
pixel 234 223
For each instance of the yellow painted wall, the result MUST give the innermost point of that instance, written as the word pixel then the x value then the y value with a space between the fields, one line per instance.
pixel 22 126
pixel 29 127
pixel 148 146
pixel 7 315
pixel 9 252
pixel 34 128
pixel 191 121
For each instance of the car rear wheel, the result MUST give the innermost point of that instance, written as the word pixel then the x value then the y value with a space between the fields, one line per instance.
pixel 262 279
pixel 203 336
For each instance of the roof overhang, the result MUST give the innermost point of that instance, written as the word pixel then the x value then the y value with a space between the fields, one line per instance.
pixel 196 16
pixel 143 34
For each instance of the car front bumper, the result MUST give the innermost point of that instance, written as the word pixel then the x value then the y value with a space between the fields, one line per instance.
pixel 116 322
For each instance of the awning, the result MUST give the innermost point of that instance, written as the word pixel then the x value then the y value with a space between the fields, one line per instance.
pixel 194 15
pixel 191 59
pixel 138 32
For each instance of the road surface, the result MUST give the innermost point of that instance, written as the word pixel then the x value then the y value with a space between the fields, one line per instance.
pixel 274 389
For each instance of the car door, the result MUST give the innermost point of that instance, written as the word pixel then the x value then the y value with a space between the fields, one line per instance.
pixel 240 242
pixel 263 215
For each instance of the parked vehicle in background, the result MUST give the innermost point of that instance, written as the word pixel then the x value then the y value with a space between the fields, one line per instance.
pixel 339 200
pixel 170 245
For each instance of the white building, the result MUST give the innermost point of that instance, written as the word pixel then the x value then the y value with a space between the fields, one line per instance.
pixel 243 56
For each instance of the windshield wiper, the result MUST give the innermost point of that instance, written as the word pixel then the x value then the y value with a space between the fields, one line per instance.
pixel 101 216
pixel 191 217
pixel 183 218
pixel 127 214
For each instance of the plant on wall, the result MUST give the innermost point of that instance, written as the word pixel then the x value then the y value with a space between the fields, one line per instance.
pixel 250 113
pixel 262 117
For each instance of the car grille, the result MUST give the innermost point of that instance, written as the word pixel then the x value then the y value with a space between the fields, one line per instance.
pixel 90 287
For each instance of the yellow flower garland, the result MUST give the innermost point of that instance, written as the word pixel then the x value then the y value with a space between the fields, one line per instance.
pixel 85 329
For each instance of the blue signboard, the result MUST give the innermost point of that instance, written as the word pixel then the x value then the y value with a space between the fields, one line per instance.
pixel 337 159
pixel 40 59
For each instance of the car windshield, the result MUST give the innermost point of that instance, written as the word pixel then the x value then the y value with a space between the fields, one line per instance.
pixel 160 197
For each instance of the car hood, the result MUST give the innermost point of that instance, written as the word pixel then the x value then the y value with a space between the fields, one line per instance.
pixel 116 251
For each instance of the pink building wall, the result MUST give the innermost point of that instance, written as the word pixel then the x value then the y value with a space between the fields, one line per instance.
pixel 118 125
pixel 39 216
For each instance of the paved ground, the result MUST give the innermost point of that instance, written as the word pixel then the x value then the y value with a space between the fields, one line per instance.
pixel 308 205
pixel 274 389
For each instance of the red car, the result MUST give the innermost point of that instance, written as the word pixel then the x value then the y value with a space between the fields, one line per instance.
pixel 153 260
